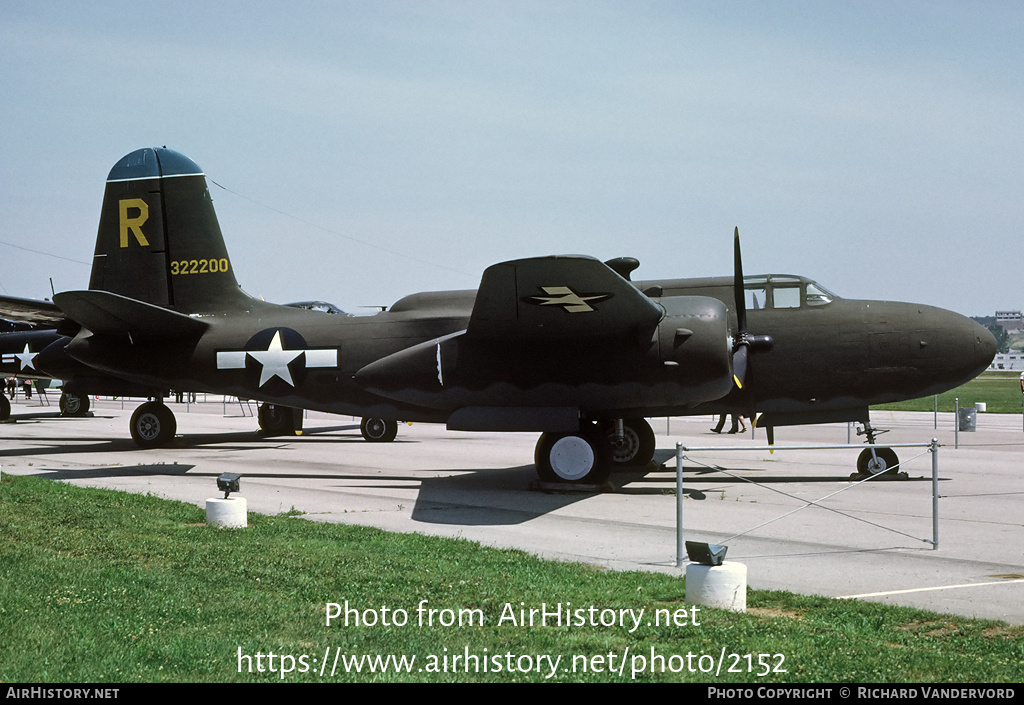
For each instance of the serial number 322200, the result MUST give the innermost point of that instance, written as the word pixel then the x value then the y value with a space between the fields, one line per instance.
pixel 199 266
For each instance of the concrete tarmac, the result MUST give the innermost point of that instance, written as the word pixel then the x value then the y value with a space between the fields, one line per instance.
pixel 869 540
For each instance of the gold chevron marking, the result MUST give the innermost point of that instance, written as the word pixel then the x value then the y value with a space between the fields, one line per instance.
pixel 567 298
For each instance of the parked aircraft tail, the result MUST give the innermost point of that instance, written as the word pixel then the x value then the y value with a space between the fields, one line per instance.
pixel 159 240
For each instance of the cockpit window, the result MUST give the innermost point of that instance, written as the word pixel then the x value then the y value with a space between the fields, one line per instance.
pixel 817 296
pixel 783 291
pixel 786 296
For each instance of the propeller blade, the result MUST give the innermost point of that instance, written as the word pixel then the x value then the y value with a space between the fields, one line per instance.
pixel 737 286
pixel 740 347
pixel 739 365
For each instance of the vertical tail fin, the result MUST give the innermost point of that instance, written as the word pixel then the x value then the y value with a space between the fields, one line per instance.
pixel 159 240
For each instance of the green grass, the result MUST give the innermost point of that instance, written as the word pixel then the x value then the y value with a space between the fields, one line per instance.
pixel 103 586
pixel 999 390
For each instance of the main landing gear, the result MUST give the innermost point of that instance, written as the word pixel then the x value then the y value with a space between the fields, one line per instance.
pixel 279 420
pixel 876 461
pixel 153 425
pixel 73 405
pixel 631 440
pixel 588 456
pixel 378 430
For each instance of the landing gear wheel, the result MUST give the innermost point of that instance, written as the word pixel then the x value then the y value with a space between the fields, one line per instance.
pixel 5 408
pixel 276 420
pixel 637 446
pixel 73 405
pixel 572 457
pixel 884 461
pixel 378 430
pixel 153 425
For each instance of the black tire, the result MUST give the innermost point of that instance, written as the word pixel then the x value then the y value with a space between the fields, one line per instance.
pixel 153 425
pixel 576 458
pixel 884 461
pixel 378 430
pixel 276 420
pixel 637 447
pixel 73 405
pixel 5 408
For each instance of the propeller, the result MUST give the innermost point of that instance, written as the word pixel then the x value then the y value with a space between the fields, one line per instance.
pixel 744 342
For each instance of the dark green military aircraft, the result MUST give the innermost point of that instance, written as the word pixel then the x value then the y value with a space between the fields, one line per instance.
pixel 566 346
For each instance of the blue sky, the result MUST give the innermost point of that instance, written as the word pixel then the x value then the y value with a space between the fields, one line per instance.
pixel 375 149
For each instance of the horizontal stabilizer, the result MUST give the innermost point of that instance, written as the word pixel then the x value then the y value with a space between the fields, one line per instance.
pixel 105 313
pixel 558 298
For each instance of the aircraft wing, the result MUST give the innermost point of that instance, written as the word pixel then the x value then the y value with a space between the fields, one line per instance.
pixel 43 314
pixel 558 297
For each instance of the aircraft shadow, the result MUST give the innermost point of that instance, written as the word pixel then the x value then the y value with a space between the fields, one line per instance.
pixel 489 497
pixel 509 496
pixel 714 475
pixel 231 440
pixel 47 415
pixel 155 470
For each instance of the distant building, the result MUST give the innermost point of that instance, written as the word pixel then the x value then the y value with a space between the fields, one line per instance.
pixel 1008 361
pixel 1010 320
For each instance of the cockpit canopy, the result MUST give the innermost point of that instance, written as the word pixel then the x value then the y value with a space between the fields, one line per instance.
pixel 780 291
pixel 322 306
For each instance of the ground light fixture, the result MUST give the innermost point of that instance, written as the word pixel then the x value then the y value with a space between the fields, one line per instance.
pixel 228 483
pixel 705 553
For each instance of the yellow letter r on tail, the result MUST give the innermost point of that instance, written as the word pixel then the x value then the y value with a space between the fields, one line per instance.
pixel 133 224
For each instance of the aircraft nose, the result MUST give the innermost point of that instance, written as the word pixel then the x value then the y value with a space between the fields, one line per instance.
pixel 973 344
pixel 952 347
pixel 984 345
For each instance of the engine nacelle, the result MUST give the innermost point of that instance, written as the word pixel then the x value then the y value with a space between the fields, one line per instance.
pixel 693 343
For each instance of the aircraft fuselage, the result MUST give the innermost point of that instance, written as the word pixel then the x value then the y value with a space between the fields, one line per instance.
pixel 842 354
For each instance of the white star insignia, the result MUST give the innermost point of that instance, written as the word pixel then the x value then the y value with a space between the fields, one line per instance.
pixel 26 358
pixel 275 360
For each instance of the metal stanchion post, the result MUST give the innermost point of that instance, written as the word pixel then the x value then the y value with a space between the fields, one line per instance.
pixel 935 494
pixel 956 422
pixel 679 505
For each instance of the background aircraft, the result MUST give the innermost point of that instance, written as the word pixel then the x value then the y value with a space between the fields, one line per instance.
pixel 564 345
pixel 21 342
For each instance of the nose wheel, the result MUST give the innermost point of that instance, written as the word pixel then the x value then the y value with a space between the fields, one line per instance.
pixel 874 460
pixel 877 461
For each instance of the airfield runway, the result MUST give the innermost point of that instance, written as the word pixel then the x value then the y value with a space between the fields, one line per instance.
pixel 869 541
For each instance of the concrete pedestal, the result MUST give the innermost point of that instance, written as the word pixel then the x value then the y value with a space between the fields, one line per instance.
pixel 230 513
pixel 723 586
